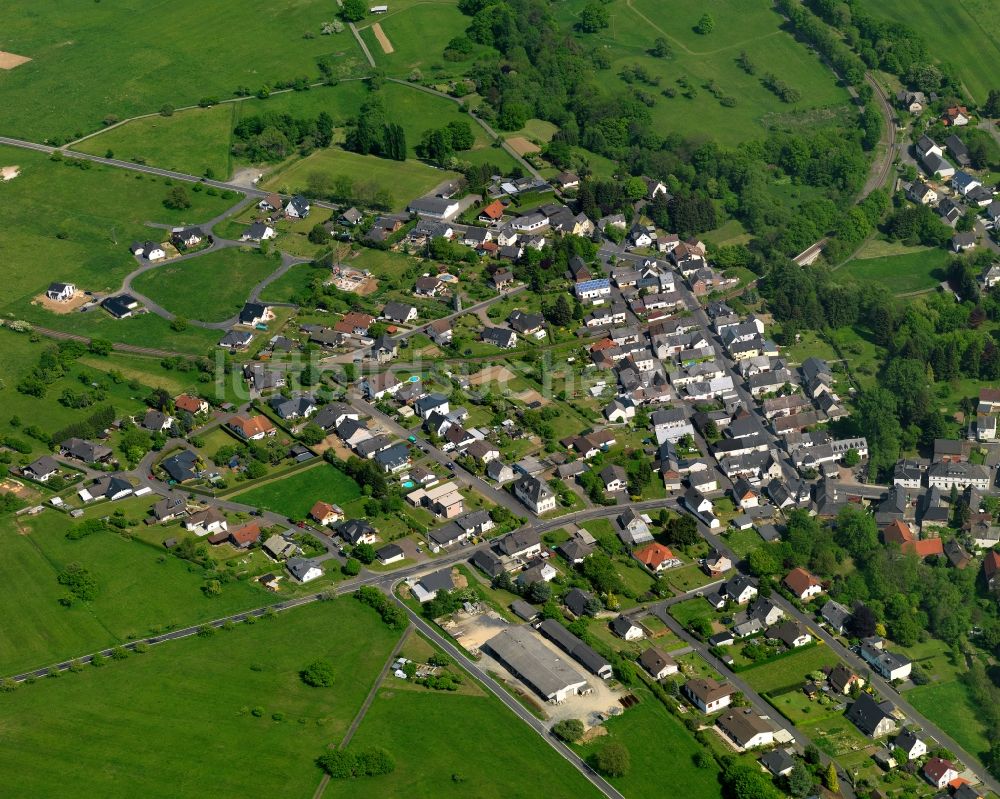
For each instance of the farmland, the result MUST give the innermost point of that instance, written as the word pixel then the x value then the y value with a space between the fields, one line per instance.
pixel 294 496
pixel 421 730
pixel 210 287
pixel 236 692
pixel 124 65
pixel 141 589
pixel 751 27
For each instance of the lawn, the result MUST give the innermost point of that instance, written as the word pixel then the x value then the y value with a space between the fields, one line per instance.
pixel 949 705
pixel 198 699
pixel 752 27
pixel 901 274
pixel 142 589
pixel 293 496
pixel 652 735
pixel 789 671
pixel 403 179
pixel 210 287
pixel 292 284
pixel 972 22
pixel 194 142
pixel 455 745
pixel 126 64
pixel 418 32
pixel 690 609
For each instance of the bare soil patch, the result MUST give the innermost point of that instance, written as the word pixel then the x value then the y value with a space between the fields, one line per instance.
pixel 529 395
pixel 61 307
pixel 492 374
pixel 10 60
pixel 523 146
pixel 19 490
pixel 383 40
pixel 592 733
pixel 9 173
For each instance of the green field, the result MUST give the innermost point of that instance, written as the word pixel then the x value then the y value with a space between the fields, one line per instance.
pixel 974 23
pixel 653 735
pixel 193 140
pixel 454 745
pixel 296 280
pixel 789 671
pixel 294 496
pixel 915 271
pixel 186 142
pixel 740 25
pixel 142 589
pixel 95 60
pixel 418 32
pixel 403 179
pixel 177 721
pixel 948 704
pixel 210 287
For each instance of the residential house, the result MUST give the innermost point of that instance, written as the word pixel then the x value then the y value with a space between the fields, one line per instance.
pixel 436 208
pixel 499 471
pixel 157 421
pixel 236 340
pixel 258 231
pixel 778 762
pixel 428 586
pixel 836 615
pixel 399 312
pixel 60 292
pixel 254 428
pixel 86 451
pixel 279 547
pixel 790 633
pixel 656 557
pixel 632 528
pixel 626 629
pixel 394 459
pixel 184 238
pixel 956 116
pixel 297 208
pixel 41 469
pixel 708 695
pixel 874 719
pixel 520 545
pixel 939 772
pixel 910 743
pixel 745 728
pixel 802 584
pixel 614 478
pixel 326 513
pixel 389 554
pixel 305 571
pixel 206 521
pixel 657 663
pixel 888 665
pixel 120 306
pixel 357 531
pixel 500 337
pixel 181 467
pixel 717 564
pixel 535 494
pixel 112 487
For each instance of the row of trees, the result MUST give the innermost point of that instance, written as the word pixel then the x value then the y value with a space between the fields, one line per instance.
pixel 273 137
pixel 371 133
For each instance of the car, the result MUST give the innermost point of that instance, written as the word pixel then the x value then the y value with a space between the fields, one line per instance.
pixel 412 439
pixel 450 464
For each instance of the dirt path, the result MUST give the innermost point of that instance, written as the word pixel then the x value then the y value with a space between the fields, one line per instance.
pixel 383 40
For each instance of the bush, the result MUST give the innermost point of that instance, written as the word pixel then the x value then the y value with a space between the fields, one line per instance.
pixel 318 674
pixel 614 760
pixel 568 730
pixel 339 765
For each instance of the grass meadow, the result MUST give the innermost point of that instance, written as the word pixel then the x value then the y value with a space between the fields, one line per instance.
pixel 949 705
pixel 972 23
pixel 210 287
pixel 142 589
pixel 125 63
pixel 653 735
pixel 294 496
pixel 456 745
pixel 789 671
pixel 404 179
pixel 912 271
pixel 194 142
pixel 181 720
pixel 748 25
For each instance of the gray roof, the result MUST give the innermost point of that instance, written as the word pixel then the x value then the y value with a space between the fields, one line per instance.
pixel 574 647
pixel 438 581
pixel 537 665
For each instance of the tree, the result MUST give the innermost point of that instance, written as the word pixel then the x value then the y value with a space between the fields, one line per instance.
pixel 364 552
pixel 742 780
pixel 830 779
pixel 177 199
pixel 351 567
pixel 318 234
pixel 353 10
pixel 661 48
pixel 339 763
pixel 373 761
pixel 318 674
pixel 851 458
pixel 593 18
pixel 559 313
pixel 614 760
pixel 992 107
pixel 682 530
pixel 705 25
pixel 879 424
pixel 800 781
pixel 568 730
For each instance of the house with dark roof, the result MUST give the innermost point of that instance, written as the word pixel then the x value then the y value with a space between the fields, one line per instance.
pixel 745 728
pixel 41 469
pixel 86 451
pixel 874 719
pixel 182 466
pixel 657 663
pixel 120 306
pixel 500 337
pixel 708 695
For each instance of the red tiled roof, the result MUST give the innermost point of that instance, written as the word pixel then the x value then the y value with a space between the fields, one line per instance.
pixel 652 555
pixel 897 532
pixel 494 210
pixel 925 547
pixel 991 563
pixel 252 426
pixel 245 535
pixel 185 402
pixel 798 580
